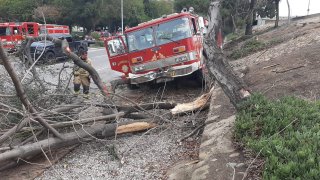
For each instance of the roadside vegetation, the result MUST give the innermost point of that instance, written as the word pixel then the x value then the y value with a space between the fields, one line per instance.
pixel 285 132
pixel 252 46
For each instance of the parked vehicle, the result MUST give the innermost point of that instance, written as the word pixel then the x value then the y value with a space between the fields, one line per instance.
pixel 48 52
pixel 89 39
pixel 11 33
pixel 159 50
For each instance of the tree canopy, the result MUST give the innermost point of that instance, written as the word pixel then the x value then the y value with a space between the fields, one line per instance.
pixel 89 14
pixel 200 6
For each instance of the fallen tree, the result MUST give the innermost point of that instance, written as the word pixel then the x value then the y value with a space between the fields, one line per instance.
pixel 82 135
pixel 218 66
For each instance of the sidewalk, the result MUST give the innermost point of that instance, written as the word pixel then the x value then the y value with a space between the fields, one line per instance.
pixel 218 159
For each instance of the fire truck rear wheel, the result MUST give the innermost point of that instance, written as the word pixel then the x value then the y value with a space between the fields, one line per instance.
pixel 50 57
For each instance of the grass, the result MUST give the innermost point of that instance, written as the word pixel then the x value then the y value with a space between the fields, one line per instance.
pixel 251 46
pixel 287 131
pixel 232 36
pixel 247 48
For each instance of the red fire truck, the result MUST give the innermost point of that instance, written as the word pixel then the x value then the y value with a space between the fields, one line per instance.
pixel 11 34
pixel 159 50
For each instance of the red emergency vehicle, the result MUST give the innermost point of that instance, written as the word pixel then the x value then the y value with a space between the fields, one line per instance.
pixel 11 33
pixel 159 50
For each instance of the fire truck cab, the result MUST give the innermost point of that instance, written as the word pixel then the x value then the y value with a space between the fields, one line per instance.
pixel 10 35
pixel 159 50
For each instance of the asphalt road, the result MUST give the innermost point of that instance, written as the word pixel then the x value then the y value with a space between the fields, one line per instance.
pixel 100 62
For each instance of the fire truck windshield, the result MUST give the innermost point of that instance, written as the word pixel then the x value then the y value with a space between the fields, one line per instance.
pixel 4 31
pixel 171 31
pixel 141 39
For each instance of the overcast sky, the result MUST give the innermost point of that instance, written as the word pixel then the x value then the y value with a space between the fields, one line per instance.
pixel 299 7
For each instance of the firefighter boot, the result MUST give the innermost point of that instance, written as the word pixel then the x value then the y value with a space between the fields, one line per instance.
pixel 76 89
pixel 86 92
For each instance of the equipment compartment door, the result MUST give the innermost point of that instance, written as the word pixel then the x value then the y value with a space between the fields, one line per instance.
pixel 117 53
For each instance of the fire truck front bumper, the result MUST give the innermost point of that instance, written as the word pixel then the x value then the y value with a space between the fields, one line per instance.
pixel 164 75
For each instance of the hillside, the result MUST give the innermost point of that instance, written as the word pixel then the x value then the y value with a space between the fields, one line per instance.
pixel 275 62
pixel 290 67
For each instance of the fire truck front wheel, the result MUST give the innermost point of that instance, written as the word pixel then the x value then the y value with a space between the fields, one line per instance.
pixel 50 57
pixel 133 86
pixel 198 76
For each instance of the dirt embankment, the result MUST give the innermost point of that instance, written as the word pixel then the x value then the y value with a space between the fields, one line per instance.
pixel 287 68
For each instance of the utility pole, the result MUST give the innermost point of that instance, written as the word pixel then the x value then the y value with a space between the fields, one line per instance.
pixel 289 15
pixel 308 8
pixel 121 16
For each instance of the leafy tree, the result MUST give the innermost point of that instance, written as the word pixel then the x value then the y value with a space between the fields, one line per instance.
pixel 133 13
pixel 51 13
pixel 155 9
pixel 17 10
pixel 235 13
pixel 200 6
pixel 249 19
pixel 270 9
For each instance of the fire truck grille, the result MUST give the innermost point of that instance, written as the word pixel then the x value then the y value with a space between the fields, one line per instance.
pixel 184 71
pixel 163 63
pixel 160 64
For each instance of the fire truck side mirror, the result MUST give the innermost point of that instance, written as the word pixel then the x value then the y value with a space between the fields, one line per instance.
pixel 201 22
pixel 202 26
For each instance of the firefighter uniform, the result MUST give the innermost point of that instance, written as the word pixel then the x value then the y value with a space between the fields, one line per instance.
pixel 81 77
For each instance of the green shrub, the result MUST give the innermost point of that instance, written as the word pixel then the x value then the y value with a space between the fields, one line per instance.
pixel 287 131
pixel 77 36
pixel 253 46
pixel 95 35
pixel 247 48
pixel 232 36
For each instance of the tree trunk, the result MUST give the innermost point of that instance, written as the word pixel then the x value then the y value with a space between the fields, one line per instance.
pixel 217 64
pixel 249 19
pixel 22 95
pixel 277 13
pixel 234 29
pixel 84 134
pixel 19 126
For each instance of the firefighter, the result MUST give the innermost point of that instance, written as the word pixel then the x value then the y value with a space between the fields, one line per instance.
pixel 82 77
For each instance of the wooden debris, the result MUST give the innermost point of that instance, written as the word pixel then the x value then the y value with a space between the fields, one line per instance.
pixel 135 127
pixel 289 69
pixel 201 102
pixel 273 65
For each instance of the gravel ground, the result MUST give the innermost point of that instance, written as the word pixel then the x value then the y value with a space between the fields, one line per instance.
pixel 140 157
pixel 145 155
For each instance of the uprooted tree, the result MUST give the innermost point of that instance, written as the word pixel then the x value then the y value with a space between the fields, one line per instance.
pixel 217 64
pixel 35 121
